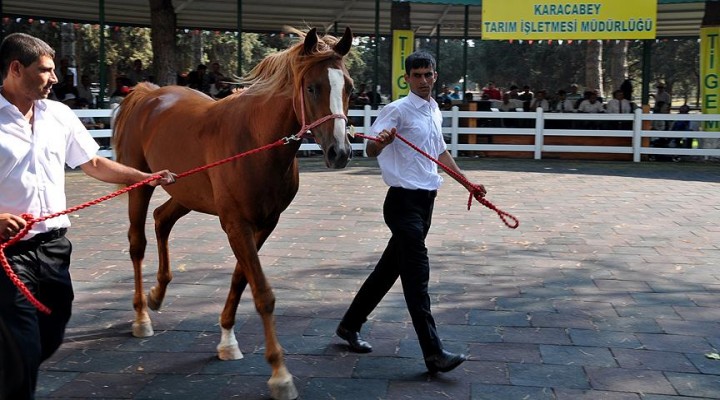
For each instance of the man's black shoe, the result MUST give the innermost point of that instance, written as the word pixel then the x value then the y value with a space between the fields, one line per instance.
pixel 355 342
pixel 444 362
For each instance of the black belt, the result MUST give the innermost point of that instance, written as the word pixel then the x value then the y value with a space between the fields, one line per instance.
pixel 35 241
pixel 416 192
pixel 47 236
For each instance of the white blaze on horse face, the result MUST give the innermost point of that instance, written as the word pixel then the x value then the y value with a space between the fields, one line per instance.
pixel 337 88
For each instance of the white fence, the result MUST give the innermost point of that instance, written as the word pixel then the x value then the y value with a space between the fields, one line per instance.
pixel 496 126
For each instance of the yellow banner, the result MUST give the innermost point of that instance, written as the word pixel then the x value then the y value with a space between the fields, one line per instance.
pixel 709 72
pixel 403 44
pixel 570 19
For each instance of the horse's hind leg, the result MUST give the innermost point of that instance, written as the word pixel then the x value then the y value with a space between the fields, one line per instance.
pixel 228 348
pixel 165 218
pixel 249 270
pixel 138 201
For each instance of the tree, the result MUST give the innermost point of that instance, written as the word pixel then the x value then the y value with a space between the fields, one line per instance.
pixel 163 20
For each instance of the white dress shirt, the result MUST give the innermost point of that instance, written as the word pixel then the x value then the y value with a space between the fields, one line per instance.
pixel 33 158
pixel 588 107
pixel 565 106
pixel 420 122
pixel 615 106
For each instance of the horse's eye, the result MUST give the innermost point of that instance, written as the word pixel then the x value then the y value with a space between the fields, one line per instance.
pixel 311 89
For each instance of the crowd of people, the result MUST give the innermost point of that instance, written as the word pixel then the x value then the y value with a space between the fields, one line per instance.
pixel 563 101
pixel 69 90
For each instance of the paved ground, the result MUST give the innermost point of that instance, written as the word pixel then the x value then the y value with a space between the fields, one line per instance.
pixel 610 289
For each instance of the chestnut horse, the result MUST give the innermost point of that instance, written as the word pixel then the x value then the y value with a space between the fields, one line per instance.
pixel 177 128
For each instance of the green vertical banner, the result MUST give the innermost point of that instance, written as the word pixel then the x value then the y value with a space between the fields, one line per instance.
pixel 403 44
pixel 709 72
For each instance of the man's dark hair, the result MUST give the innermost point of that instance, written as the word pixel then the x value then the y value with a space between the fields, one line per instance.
pixel 419 59
pixel 24 48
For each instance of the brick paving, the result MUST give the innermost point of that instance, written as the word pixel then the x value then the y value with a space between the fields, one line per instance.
pixel 608 290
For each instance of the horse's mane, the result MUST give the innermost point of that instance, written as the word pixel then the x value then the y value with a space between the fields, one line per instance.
pixel 281 73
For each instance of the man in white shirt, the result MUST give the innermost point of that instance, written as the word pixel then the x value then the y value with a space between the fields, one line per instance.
pixel 563 104
pixel 591 104
pixel 408 207
pixel 618 104
pixel 38 137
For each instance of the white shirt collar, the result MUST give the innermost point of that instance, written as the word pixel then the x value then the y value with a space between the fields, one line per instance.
pixel 419 102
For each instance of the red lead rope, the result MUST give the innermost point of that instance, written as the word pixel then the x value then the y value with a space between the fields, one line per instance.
pixel 30 220
pixel 508 219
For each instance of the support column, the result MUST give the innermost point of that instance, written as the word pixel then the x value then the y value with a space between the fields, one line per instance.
pixel 710 70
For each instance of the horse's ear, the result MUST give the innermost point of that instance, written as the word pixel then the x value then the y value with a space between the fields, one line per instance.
pixel 343 46
pixel 311 41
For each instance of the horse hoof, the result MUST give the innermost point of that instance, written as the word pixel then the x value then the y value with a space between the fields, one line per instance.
pixel 282 388
pixel 142 329
pixel 229 352
pixel 152 301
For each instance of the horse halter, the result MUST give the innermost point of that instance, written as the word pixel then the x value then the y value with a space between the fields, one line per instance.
pixel 306 129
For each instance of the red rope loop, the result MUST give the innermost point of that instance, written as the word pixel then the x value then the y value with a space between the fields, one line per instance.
pixel 475 192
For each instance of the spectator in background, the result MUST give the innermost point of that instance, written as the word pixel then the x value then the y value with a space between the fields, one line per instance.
pixel 618 104
pixel 137 74
pixel 685 125
pixel 457 94
pixel 540 101
pixel 526 96
pixel 444 95
pixel 575 96
pixel 563 104
pixel 84 90
pixel 361 98
pixel 513 92
pixel 627 89
pixel 215 78
pixel 198 79
pixel 66 88
pixel 509 104
pixel 64 71
pixel 89 122
pixel 591 105
pixel 118 95
pixel 661 95
pixel 492 92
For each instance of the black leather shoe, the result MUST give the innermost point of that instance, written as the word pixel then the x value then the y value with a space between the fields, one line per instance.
pixel 444 362
pixel 355 342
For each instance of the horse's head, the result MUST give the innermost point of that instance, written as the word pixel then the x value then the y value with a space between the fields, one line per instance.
pixel 325 87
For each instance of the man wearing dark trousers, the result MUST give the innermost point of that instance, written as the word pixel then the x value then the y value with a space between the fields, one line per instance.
pixel 38 137
pixel 408 208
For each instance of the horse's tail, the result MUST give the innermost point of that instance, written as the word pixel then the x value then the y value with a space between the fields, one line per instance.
pixel 122 115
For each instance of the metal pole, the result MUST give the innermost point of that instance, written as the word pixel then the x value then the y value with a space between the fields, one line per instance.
pixel 465 49
pixel 240 35
pixel 646 71
pixel 437 56
pixel 101 56
pixel 376 77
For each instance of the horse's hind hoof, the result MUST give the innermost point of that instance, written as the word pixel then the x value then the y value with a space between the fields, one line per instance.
pixel 142 329
pixel 282 388
pixel 229 352
pixel 152 300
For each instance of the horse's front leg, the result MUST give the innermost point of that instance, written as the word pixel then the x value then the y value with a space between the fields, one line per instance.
pixel 250 271
pixel 138 201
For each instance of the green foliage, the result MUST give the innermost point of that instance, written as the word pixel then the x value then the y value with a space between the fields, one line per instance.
pixel 542 65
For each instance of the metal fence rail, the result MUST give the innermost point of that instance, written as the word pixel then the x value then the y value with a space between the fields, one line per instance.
pixel 538 125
